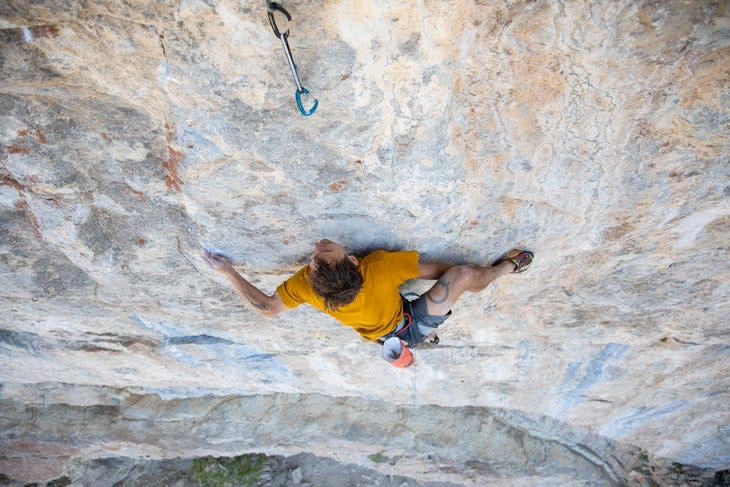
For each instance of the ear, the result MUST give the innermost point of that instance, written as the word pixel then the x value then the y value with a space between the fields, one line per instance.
pixel 353 259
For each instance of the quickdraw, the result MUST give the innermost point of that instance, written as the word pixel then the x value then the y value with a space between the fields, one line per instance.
pixel 284 36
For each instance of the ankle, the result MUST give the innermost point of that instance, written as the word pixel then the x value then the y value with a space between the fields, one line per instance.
pixel 505 267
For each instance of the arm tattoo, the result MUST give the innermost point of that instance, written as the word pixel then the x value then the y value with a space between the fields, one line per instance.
pixel 441 290
pixel 260 306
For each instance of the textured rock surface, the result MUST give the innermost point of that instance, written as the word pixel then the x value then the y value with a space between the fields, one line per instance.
pixel 133 133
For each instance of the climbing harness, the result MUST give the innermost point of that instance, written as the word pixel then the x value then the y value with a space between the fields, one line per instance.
pixel 407 322
pixel 433 338
pixel 284 36
pixel 393 343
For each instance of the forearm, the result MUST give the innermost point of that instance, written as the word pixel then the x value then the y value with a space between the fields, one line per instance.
pixel 249 292
pixel 266 305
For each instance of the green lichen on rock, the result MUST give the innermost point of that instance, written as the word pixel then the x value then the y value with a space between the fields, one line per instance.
pixel 643 455
pixel 380 458
pixel 241 471
pixel 59 482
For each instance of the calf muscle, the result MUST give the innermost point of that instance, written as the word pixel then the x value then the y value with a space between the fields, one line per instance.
pixel 439 293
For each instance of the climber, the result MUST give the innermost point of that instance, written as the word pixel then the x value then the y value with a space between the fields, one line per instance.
pixel 364 293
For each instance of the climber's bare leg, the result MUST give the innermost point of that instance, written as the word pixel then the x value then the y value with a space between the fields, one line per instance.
pixel 447 290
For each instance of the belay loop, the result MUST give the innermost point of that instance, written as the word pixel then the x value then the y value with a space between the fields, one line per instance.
pixel 284 37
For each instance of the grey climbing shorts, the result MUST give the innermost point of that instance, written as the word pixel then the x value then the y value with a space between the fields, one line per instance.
pixel 421 320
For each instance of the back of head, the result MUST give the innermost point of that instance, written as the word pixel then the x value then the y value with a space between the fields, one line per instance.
pixel 337 282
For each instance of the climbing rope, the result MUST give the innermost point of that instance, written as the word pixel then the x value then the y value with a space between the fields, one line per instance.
pixel 274 7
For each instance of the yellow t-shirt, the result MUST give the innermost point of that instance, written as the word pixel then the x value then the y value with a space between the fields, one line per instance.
pixel 377 308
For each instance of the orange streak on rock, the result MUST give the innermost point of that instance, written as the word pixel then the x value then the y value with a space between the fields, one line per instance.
pixel 8 181
pixel 14 149
pixel 30 216
pixel 138 194
pixel 172 181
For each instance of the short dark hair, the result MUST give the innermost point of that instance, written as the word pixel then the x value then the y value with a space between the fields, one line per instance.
pixel 337 282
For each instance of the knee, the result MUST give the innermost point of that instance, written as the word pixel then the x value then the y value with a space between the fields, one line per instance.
pixel 464 273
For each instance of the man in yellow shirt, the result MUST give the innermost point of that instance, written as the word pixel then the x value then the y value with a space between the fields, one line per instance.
pixel 364 293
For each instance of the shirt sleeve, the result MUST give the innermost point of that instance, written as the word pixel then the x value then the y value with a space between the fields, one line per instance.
pixel 293 290
pixel 403 264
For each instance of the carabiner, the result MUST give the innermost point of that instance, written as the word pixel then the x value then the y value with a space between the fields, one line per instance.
pixel 298 96
pixel 272 6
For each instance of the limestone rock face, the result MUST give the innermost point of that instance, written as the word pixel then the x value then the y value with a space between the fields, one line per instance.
pixel 133 134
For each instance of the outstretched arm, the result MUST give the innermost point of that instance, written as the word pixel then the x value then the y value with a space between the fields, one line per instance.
pixel 266 305
pixel 432 270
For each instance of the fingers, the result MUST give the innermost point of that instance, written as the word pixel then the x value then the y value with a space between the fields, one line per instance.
pixel 209 258
pixel 215 260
